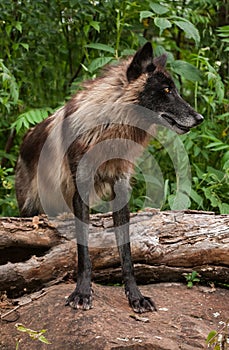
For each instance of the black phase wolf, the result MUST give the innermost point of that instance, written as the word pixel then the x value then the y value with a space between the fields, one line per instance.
pixel 87 150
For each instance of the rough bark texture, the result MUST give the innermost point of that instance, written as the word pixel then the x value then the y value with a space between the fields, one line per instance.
pixel 165 245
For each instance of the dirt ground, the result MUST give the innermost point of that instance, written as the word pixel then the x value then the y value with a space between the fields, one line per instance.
pixel 183 320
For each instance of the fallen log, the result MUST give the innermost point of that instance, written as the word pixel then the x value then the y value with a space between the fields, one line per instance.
pixel 165 245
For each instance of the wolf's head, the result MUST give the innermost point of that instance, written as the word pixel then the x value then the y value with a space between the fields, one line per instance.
pixel 159 93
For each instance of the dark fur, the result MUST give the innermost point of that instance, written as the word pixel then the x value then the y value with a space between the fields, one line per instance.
pixel 98 114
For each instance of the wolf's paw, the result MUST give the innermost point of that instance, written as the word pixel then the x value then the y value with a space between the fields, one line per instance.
pixel 142 304
pixel 79 300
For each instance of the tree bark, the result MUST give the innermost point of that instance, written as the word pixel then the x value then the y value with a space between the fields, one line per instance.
pixel 165 245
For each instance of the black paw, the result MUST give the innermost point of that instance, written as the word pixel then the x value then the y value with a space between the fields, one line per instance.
pixel 142 304
pixel 79 300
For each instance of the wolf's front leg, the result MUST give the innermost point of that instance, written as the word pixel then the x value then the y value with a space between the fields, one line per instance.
pixel 82 295
pixel 121 217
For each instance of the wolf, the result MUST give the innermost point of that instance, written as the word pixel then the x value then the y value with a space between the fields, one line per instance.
pixel 88 147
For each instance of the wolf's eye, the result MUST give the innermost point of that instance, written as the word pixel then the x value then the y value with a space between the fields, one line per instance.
pixel 167 90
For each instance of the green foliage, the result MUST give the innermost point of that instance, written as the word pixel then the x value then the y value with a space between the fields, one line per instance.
pixel 49 48
pixel 191 278
pixel 35 335
pixel 223 33
pixel 9 89
pixel 8 203
pixel 217 340
pixel 165 16
pixel 27 119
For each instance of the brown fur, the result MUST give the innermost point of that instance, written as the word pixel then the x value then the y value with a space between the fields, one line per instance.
pixel 88 149
pixel 111 91
pixel 103 110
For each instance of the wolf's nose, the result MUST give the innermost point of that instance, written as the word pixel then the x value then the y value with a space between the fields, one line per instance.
pixel 199 118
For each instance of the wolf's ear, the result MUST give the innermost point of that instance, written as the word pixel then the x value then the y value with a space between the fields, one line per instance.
pixel 160 61
pixel 142 60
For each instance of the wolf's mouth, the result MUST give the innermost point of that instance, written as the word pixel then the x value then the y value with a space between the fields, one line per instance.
pixel 173 123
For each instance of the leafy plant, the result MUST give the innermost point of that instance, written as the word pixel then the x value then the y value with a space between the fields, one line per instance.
pixel 163 19
pixel 27 119
pixel 7 193
pixel 217 340
pixel 223 33
pixel 192 278
pixel 48 50
pixel 35 335
pixel 9 90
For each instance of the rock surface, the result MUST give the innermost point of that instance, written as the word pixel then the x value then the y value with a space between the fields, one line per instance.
pixel 183 321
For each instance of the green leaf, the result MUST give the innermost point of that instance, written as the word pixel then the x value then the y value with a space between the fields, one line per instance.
pixel 218 173
pixel 5 76
pixel 219 87
pixel 138 202
pixel 26 46
pixel 190 30
pixel 29 118
pixel 21 328
pixel 26 123
pixel 197 198
pixel 74 3
pixel 14 91
pixel 101 47
pixel 179 201
pixel 18 26
pixel 86 29
pixel 95 25
pixel 219 148
pixel 210 336
pixel 194 274
pixel 226 164
pixel 15 46
pixel 223 31
pixel 166 189
pixel 162 23
pixel 186 70
pixel 159 9
pixel 8 29
pixel 214 144
pixel 44 340
pixel 145 14
pixel 127 52
pixel 224 208
pixel 215 202
pixel 196 280
pixel 99 63
pixel 17 125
